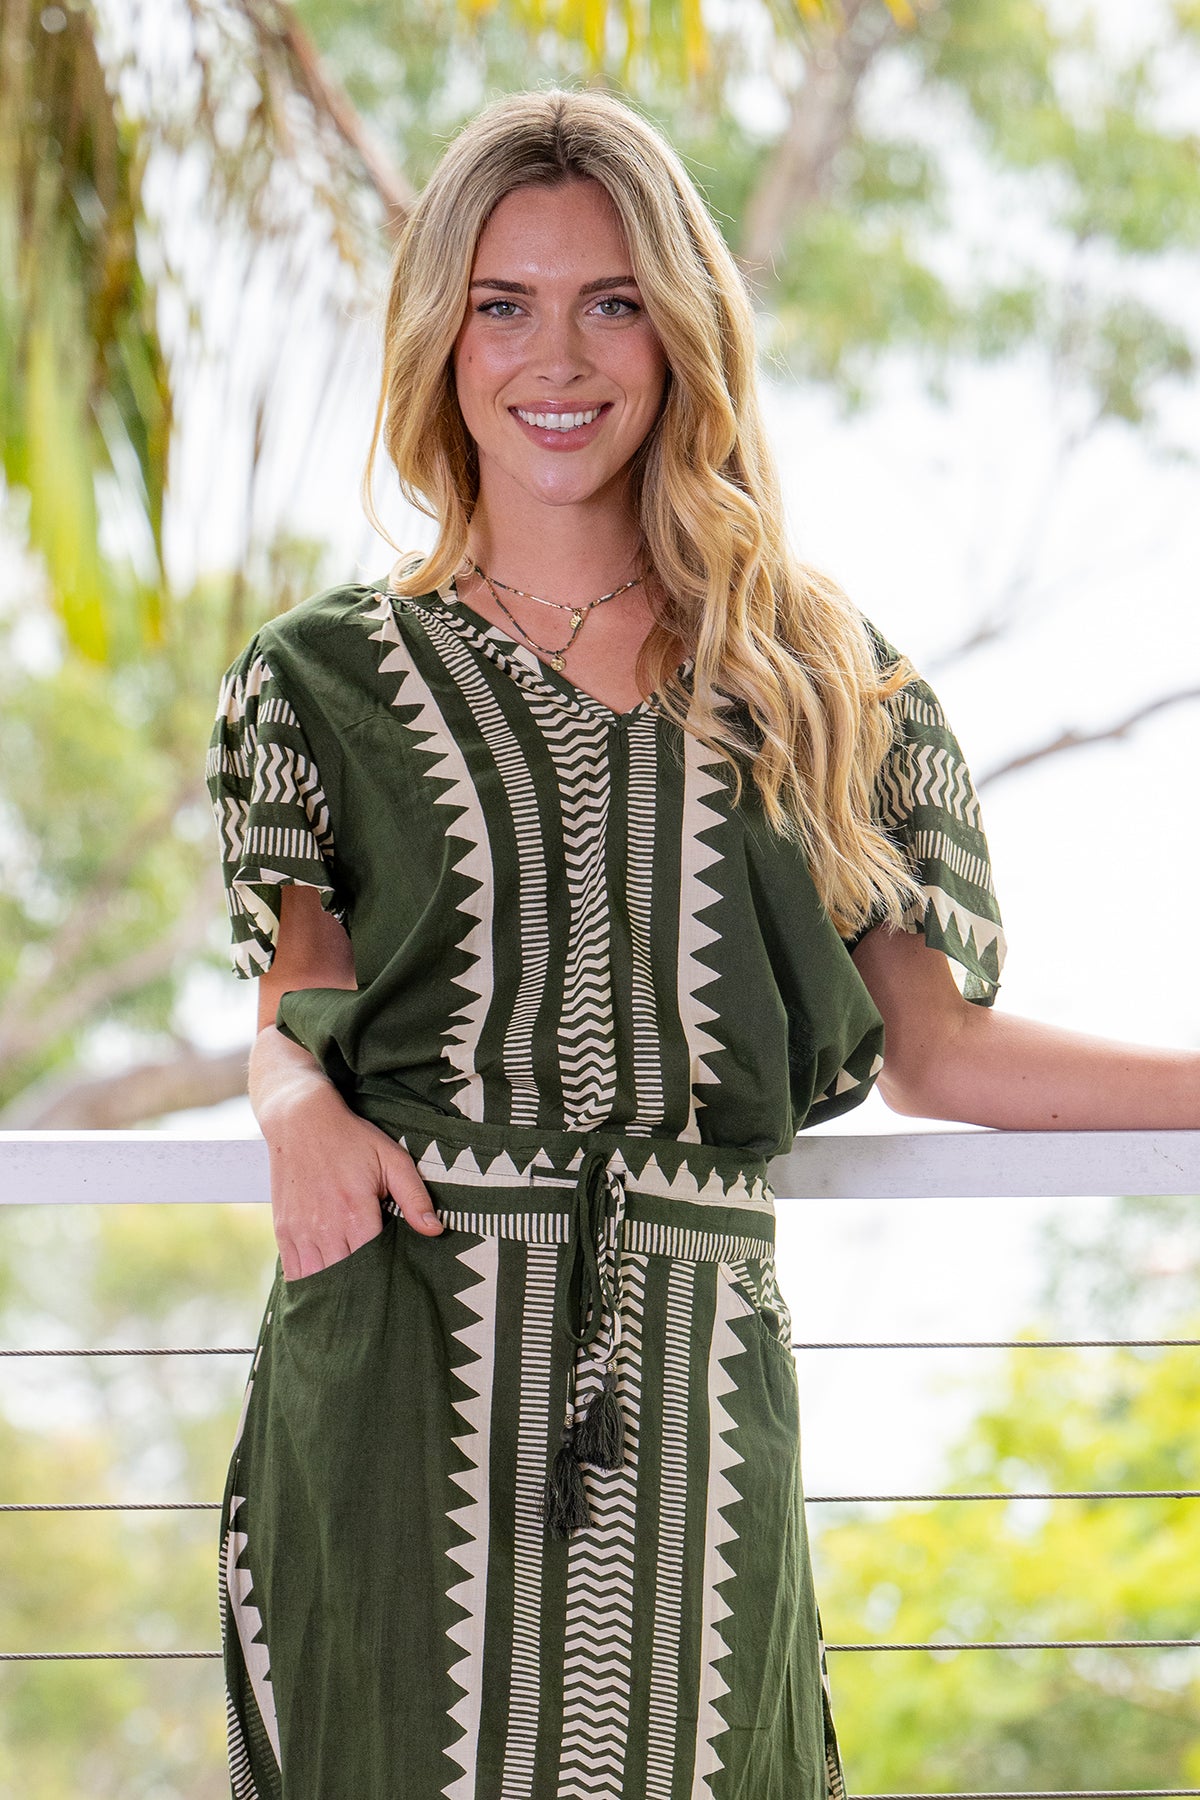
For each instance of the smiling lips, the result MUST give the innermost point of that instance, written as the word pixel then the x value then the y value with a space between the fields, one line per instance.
pixel 554 425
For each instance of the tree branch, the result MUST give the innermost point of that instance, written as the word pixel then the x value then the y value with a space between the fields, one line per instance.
pixel 29 1033
pixel 330 101
pixel 821 118
pixel 1076 740
pixel 134 1097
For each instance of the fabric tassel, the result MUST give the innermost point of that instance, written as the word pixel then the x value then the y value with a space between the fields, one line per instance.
pixel 565 1507
pixel 600 1435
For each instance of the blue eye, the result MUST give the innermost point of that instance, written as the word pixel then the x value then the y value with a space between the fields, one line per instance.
pixel 489 304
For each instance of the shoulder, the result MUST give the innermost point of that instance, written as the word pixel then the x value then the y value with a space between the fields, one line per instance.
pixel 325 622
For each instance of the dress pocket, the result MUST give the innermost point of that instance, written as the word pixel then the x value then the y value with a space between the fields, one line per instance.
pixel 334 1273
pixel 754 1284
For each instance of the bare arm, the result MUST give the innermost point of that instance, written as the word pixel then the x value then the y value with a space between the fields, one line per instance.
pixel 947 1059
pixel 329 1167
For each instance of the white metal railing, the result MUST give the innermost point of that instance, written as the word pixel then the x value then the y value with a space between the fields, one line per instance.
pixel 144 1167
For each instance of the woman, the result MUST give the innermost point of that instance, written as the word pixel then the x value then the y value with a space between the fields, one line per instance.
pixel 581 863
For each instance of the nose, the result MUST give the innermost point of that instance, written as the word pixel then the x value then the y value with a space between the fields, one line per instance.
pixel 559 350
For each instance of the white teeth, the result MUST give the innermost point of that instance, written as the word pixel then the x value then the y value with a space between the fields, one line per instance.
pixel 558 421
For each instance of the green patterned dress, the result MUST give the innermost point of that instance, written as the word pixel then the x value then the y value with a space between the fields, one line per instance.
pixel 515 1512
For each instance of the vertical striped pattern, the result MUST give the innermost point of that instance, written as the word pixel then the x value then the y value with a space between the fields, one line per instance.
pixel 649 1097
pixel 533 912
pixel 471 1592
pixel 535 1408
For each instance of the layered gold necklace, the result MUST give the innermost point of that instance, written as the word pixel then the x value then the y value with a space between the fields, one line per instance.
pixel 578 612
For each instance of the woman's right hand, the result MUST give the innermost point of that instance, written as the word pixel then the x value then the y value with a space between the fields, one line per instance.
pixel 330 1169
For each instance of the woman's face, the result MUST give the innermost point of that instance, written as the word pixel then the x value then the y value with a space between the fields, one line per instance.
pixel 555 329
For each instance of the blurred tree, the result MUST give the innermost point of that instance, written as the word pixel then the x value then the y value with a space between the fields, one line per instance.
pixel 110 1429
pixel 1044 1719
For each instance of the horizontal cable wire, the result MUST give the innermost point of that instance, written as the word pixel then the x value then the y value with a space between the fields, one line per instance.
pixel 1035 1644
pixel 188 1350
pixel 24 1656
pixel 1046 1794
pixel 1175 1493
pixel 95 1506
pixel 67 1506
pixel 1022 1644
pixel 1171 1343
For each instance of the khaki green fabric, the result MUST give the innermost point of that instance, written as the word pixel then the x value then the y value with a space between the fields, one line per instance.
pixel 594 999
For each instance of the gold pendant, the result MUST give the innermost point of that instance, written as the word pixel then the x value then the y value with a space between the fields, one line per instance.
pixel 556 661
pixel 576 620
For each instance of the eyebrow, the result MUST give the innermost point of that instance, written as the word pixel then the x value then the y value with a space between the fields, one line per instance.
pixel 589 287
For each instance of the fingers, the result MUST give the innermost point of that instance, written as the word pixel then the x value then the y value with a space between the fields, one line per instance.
pixel 409 1192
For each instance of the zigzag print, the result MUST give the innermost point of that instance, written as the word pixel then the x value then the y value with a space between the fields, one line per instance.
pixel 597 1676
pixel 893 789
pixel 920 709
pixel 237 691
pixel 281 775
pixel 232 823
pixel 649 1108
pixel 940 779
pixel 695 895
pixel 533 910
pixel 663 1716
pixel 525 1682
pixel 472 1439
pixel 717 1532
pixel 449 765
pixel 578 744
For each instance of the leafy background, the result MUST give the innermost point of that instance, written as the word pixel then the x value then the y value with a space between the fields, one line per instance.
pixel 970 226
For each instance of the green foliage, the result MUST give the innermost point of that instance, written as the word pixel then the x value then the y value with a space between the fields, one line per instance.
pixel 850 290
pixel 108 1429
pixel 108 888
pixel 82 371
pixel 1059 1420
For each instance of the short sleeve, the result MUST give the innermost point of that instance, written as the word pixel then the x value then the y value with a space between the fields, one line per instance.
pixel 270 806
pixel 925 800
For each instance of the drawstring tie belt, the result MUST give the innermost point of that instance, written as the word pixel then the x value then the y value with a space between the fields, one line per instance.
pixel 594 1285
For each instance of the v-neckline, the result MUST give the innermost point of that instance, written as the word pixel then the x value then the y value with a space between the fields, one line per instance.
pixel 525 664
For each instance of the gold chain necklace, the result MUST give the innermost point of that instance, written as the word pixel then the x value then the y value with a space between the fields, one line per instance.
pixel 578 613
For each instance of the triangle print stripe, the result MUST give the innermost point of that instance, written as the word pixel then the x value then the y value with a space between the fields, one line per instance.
pixel 695 936
pixel 662 1723
pixel 509 758
pixel 469 827
pixel 717 1532
pixel 472 1438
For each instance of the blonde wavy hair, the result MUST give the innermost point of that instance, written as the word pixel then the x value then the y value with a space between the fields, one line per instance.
pixel 785 678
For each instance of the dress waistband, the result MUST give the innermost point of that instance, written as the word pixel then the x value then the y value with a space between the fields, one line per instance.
pixel 474 1153
pixel 595 1172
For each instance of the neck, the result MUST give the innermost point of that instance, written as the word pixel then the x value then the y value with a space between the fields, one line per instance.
pixel 568 553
